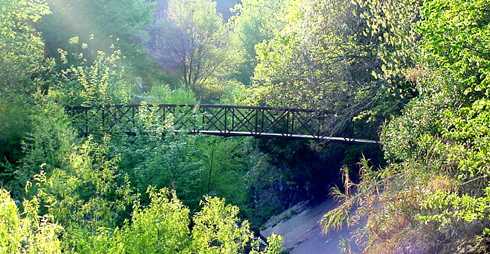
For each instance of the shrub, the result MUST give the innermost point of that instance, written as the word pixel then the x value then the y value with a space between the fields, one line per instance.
pixel 26 233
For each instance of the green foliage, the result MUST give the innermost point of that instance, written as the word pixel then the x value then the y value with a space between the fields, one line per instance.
pixel 255 21
pixel 85 196
pixel 47 145
pixel 439 147
pixel 103 23
pixel 401 135
pixel 225 165
pixel 80 81
pixel 467 65
pixel 162 227
pixel 194 43
pixel 193 166
pixel 22 48
pixel 217 229
pixel 26 232
pixel 391 29
pixel 14 125
pixel 163 94
pixel 448 208
pixel 320 59
pixel 108 20
pixel 276 57
pixel 177 167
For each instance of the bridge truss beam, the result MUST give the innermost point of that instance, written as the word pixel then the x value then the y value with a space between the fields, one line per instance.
pixel 220 120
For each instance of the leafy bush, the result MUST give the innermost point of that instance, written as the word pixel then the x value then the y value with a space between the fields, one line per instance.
pixel 45 147
pixel 193 166
pixel 26 232
pixel 163 227
pixel 86 195
pixel 81 81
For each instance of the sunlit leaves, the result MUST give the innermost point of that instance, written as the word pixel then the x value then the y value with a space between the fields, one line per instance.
pixel 465 56
pixel 162 227
pixel 255 22
pixel 446 208
pixel 439 146
pixel 86 195
pixel 26 232
pixel 391 31
pixel 21 46
pixel 85 81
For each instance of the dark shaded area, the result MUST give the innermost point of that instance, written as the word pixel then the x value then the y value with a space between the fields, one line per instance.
pixel 311 169
pixel 15 124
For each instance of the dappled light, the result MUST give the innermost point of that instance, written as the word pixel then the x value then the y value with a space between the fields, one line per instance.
pixel 245 126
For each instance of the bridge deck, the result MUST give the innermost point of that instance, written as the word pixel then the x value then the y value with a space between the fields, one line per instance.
pixel 221 120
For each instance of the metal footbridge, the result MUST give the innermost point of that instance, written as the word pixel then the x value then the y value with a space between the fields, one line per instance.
pixel 219 120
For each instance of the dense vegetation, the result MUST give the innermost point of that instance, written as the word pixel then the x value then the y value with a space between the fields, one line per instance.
pixel 413 73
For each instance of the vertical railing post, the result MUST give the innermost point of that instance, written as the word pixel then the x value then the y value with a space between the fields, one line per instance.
pixel 287 123
pixel 133 116
pixel 319 123
pixel 203 119
pixel 256 120
pixel 232 118
pixel 226 120
pixel 292 121
pixel 262 121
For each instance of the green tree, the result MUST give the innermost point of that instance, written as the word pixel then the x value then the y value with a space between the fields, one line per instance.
pixel 193 166
pixel 391 29
pixel 103 80
pixel 102 24
pixel 22 48
pixel 163 226
pixel 23 63
pixel 14 125
pixel 47 146
pixel 320 59
pixel 437 182
pixel 217 229
pixel 255 21
pixel 107 21
pixel 193 43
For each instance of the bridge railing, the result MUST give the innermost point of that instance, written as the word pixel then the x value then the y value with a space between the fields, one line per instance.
pixel 223 120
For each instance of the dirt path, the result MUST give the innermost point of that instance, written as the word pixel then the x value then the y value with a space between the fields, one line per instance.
pixel 301 230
